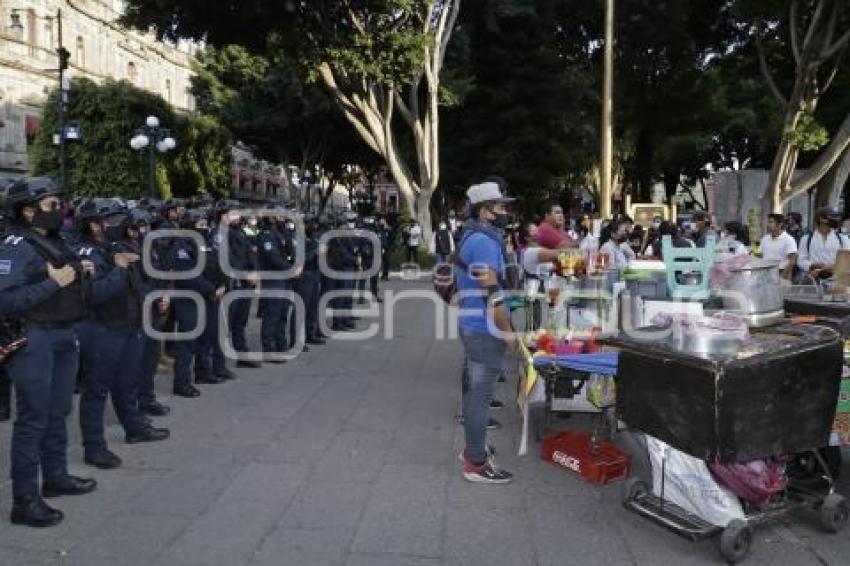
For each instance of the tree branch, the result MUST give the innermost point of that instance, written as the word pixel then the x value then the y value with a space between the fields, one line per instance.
pixel 840 142
pixel 449 32
pixel 795 47
pixel 771 83
pixel 841 43
pixel 813 24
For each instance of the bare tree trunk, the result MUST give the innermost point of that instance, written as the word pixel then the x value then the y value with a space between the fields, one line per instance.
pixel 825 163
pixel 831 186
pixel 371 107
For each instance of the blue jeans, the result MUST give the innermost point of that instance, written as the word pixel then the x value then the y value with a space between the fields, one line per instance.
pixel 43 373
pixel 484 355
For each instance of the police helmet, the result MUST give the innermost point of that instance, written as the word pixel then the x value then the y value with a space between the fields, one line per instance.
pixel 168 204
pixel 28 191
pixel 98 208
pixel 139 217
pixel 202 200
pixel 193 216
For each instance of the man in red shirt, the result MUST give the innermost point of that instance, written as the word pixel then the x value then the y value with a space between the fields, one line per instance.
pixel 550 232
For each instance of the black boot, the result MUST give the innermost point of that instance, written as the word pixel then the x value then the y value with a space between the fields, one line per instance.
pixel 35 513
pixel 208 379
pixel 248 365
pixel 68 485
pixel 102 458
pixel 225 374
pixel 154 408
pixel 148 434
pixel 187 391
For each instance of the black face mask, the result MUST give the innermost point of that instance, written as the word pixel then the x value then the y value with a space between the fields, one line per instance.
pixel 502 220
pixel 50 221
pixel 113 233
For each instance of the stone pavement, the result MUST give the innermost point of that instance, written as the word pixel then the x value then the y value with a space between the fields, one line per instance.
pixel 348 456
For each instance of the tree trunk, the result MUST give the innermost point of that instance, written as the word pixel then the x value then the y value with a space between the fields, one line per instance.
pixel 831 186
pixel 825 163
pixel 644 158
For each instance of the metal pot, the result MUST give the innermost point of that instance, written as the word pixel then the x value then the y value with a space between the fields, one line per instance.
pixel 708 343
pixel 754 288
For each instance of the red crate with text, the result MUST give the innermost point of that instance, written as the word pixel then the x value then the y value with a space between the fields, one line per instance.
pixel 598 463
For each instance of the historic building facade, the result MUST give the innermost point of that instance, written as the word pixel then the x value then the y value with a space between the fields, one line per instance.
pixel 99 49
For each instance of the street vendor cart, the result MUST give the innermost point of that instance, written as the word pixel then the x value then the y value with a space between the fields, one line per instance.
pixel 774 399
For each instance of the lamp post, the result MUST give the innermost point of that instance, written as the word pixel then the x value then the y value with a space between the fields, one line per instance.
pixel 155 139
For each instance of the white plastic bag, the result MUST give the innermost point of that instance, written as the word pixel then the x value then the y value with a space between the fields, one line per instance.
pixel 689 484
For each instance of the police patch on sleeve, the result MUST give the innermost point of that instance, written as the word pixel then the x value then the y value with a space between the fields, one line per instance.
pixel 5 266
pixel 183 254
pixel 267 246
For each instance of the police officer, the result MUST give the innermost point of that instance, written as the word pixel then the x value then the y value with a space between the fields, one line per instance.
pixel 209 358
pixel 5 384
pixel 309 285
pixel 342 252
pixel 273 254
pixel 41 280
pixel 136 227
pixel 387 237
pixel 184 255
pixel 111 337
pixel 371 255
pixel 242 253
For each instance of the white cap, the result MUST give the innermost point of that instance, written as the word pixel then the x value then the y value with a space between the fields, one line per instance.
pixel 486 192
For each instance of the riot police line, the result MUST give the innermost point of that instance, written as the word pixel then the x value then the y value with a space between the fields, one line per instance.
pixel 93 301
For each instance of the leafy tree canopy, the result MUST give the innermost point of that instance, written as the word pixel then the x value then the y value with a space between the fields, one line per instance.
pixel 103 164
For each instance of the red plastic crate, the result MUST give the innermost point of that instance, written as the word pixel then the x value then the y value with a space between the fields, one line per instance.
pixel 572 450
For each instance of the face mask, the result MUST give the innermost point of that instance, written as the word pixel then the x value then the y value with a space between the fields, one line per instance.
pixel 290 226
pixel 656 225
pixel 502 220
pixel 351 225
pixel 50 221
pixel 252 222
pixel 442 226
pixel 114 233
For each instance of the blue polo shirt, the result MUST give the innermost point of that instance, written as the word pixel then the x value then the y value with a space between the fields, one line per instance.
pixel 478 249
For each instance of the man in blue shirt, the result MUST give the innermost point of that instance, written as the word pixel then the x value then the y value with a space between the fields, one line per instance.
pixel 484 323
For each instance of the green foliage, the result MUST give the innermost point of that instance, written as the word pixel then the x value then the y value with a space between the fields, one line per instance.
pixel 809 135
pixel 202 164
pixel 103 164
pixel 267 103
pixel 527 116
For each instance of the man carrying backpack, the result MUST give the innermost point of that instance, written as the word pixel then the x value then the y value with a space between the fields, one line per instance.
pixel 819 249
pixel 484 324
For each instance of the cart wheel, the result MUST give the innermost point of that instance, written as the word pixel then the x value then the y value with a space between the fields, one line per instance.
pixel 633 488
pixel 834 513
pixel 735 541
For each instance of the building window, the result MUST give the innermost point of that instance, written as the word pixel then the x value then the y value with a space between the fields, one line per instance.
pixel 132 72
pixel 168 90
pixel 32 30
pixel 48 33
pixel 80 52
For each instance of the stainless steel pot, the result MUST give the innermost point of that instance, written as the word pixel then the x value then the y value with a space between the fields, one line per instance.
pixel 708 343
pixel 754 288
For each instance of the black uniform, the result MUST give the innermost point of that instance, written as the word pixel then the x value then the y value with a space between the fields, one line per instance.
pixel 44 370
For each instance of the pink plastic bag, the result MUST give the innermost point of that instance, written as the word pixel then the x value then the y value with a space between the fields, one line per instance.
pixel 756 481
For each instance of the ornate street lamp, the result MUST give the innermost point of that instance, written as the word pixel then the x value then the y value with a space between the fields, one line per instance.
pixel 153 137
